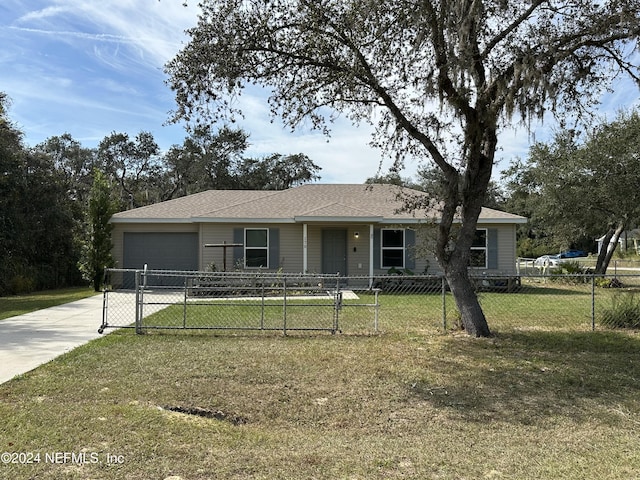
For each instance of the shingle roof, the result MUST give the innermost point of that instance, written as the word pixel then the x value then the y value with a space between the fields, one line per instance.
pixel 312 202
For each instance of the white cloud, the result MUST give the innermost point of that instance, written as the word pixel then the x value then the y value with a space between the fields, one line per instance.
pixel 154 30
pixel 47 12
pixel 345 156
pixel 91 68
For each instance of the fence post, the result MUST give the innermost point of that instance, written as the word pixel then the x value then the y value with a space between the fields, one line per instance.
pixel 593 302
pixel 376 309
pixel 138 303
pixel 284 305
pixel 444 304
pixel 262 304
pixel 105 315
pixel 337 304
pixel 184 309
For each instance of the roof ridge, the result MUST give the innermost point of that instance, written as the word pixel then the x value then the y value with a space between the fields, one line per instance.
pixel 267 193
pixel 350 207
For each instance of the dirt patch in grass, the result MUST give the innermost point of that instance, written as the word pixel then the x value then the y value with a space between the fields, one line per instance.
pixel 207 413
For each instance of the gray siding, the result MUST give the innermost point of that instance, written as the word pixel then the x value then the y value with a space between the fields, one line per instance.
pixel 291 246
pixel 290 239
pixel 505 255
pixel 357 248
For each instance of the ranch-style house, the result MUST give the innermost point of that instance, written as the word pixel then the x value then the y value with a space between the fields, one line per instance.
pixel 353 230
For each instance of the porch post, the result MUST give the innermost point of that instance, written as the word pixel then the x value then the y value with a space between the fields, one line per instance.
pixel 304 249
pixel 371 253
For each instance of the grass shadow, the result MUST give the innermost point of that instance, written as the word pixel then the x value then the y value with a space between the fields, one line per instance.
pixel 523 377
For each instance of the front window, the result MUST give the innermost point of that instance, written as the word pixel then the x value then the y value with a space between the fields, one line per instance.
pixel 256 247
pixel 392 248
pixel 478 257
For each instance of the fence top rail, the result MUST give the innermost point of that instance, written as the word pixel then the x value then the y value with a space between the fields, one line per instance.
pixel 319 276
pixel 224 274
pixel 262 274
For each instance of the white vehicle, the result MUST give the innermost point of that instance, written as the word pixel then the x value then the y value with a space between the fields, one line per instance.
pixel 547 261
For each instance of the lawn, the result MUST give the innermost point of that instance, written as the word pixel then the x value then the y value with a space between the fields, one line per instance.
pixel 25 303
pixel 556 401
pixel 540 306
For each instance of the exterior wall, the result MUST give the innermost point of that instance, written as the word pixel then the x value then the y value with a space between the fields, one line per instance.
pixel 506 249
pixel 291 246
pixel 290 257
pixel 357 248
pixel 506 252
pixel 314 248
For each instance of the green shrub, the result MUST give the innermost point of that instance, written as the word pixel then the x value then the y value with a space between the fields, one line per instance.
pixel 571 273
pixel 572 268
pixel 21 284
pixel 608 283
pixel 624 311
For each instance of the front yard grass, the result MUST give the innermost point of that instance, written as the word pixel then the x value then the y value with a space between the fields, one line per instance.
pixel 25 303
pixel 409 403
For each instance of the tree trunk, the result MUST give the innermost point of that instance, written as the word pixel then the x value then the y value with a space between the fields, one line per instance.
pixel 609 245
pixel 471 314
pixel 97 280
pixel 463 198
pixel 453 247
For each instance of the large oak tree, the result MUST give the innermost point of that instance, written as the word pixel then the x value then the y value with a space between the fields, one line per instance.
pixel 437 78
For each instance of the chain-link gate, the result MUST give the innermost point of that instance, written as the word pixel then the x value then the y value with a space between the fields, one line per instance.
pixel 152 299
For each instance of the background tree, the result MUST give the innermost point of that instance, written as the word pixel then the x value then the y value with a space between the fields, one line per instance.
pixel 56 198
pixel 133 164
pixel 394 178
pixel 97 249
pixel 37 225
pixel 209 160
pixel 438 80
pixel 276 172
pixel 73 162
pixel 206 160
pixel 533 190
pixel 574 190
pixel 11 222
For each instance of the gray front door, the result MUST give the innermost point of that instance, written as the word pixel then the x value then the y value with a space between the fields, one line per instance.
pixel 334 251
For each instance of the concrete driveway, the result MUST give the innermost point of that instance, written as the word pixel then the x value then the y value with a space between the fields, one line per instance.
pixel 27 341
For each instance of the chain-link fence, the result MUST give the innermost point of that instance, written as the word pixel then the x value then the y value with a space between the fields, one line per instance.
pixel 238 301
pixel 148 300
pixel 536 266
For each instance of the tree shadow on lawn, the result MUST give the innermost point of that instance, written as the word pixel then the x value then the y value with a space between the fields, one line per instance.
pixel 525 377
pixel 551 289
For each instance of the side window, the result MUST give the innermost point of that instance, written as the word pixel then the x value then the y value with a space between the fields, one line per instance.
pixel 256 247
pixel 478 257
pixel 392 246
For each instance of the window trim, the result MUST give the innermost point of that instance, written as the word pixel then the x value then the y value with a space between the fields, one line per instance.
pixel 383 248
pixel 484 249
pixel 246 247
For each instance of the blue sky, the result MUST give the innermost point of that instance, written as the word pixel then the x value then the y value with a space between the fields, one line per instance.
pixel 90 68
